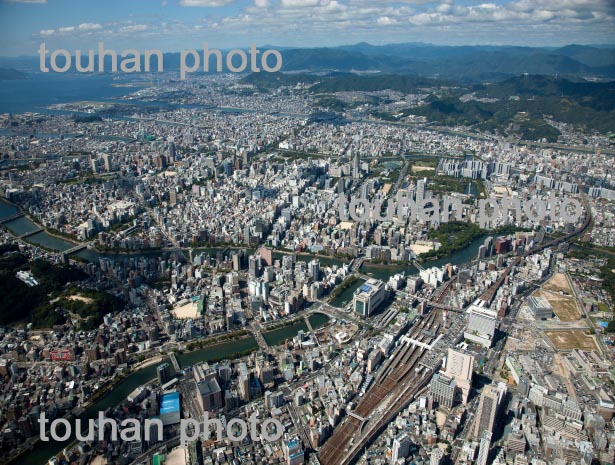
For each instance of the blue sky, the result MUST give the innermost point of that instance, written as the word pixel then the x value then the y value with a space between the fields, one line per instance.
pixel 173 25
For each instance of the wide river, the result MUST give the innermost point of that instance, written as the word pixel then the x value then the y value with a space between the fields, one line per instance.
pixel 43 451
pixel 226 350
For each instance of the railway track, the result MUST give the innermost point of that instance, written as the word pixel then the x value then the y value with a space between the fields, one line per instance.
pixel 397 381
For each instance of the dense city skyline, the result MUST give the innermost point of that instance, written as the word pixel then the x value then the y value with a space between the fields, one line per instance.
pixel 383 253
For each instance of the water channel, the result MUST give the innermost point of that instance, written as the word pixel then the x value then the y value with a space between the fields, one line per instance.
pixel 43 451
pixel 225 350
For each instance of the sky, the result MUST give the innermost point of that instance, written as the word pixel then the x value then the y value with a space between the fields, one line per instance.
pixel 174 25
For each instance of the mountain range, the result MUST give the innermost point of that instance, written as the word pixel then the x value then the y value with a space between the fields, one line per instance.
pixel 467 64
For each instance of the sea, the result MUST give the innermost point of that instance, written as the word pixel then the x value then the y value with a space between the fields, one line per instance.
pixel 40 90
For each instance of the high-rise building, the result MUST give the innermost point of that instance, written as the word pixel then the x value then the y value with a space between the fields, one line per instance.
pixel 442 390
pixel 170 408
pixel 243 380
pixel 459 366
pixel 420 189
pixel 164 373
pixel 502 245
pixel 94 164
pixel 401 448
pixel 107 161
pixel 483 450
pixel 92 352
pixel 293 452
pixel 266 255
pixel 314 269
pixel 515 442
pixel 437 456
pixel 355 167
pixel 254 266
pixel 153 334
pixel 488 407
pixel 171 153
pixel 368 297
pixel 540 307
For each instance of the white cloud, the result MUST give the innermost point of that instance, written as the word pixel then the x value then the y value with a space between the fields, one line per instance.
pixel 205 3
pixel 328 22
pixel 89 27
pixel 481 21
pixel 386 21
pixel 133 28
pixel 299 3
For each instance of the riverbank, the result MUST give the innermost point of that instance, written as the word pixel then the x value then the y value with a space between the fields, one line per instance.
pixel 148 362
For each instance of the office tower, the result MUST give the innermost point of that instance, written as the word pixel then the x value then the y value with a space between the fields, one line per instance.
pixel 459 366
pixel 164 373
pixel 488 409
pixel 236 262
pixel 442 390
pixel 437 456
pixel 210 395
pixel 502 245
pixel 153 334
pixel 171 153
pixel 368 297
pixel 254 266
pixel 314 269
pixel 420 189
pixel 107 161
pixel 488 243
pixel 266 256
pixel 401 448
pixel 482 252
pixel 355 167
pixel 483 451
pixel 94 164
pixel 293 452
pixel 243 381
pixel 540 307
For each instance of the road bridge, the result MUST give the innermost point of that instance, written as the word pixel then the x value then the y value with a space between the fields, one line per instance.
pixel 77 248
pixel 174 362
pixel 8 219
pixel 30 233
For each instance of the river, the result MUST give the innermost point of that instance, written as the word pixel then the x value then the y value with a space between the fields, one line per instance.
pixel 384 272
pixel 24 225
pixel 43 451
pixel 225 350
